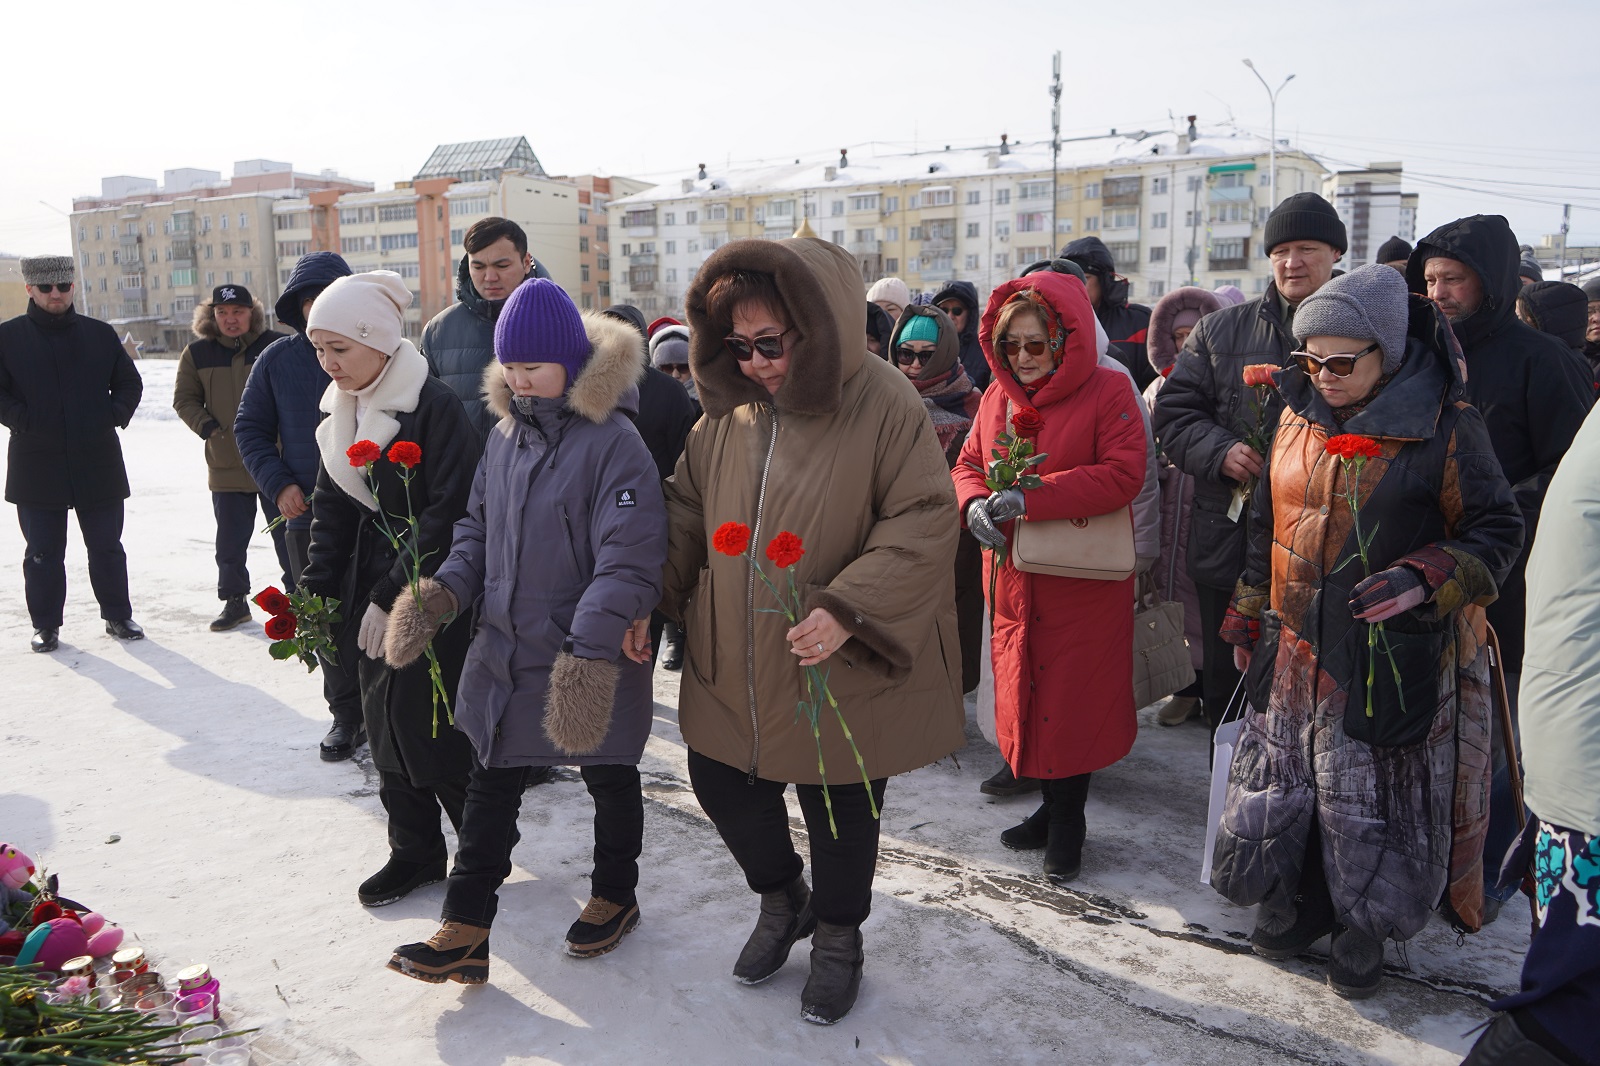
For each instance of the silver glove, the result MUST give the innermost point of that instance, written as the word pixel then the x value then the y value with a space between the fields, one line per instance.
pixel 983 527
pixel 1006 505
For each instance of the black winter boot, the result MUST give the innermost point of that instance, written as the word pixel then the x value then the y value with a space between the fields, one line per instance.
pixel 1288 924
pixel 457 952
pixel 785 917
pixel 234 613
pixel 1506 1044
pixel 1031 833
pixel 1004 783
pixel 1063 849
pixel 1355 964
pixel 601 927
pixel 398 880
pixel 836 959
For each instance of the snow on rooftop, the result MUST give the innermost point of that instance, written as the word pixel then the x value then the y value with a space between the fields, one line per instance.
pixel 929 167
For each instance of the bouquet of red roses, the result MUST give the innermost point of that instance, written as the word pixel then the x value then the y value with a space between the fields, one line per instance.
pixel 301 625
pixel 785 550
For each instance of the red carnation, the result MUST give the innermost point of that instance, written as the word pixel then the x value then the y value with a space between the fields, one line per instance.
pixel 407 453
pixel 1026 423
pixel 1353 446
pixel 272 600
pixel 1259 374
pixel 785 549
pixel 281 626
pixel 731 538
pixel 363 453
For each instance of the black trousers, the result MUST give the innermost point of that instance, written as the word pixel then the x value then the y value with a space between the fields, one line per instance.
pixel 236 523
pixel 44 561
pixel 754 824
pixel 340 685
pixel 489 833
pixel 969 610
pixel 1218 676
pixel 414 831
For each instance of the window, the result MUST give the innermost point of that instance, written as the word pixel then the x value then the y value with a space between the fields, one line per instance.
pixel 601 233
pixel 892 265
pixel 866 234
pixel 1124 251
pixel 1261 215
pixel 1188 219
pixel 1160 186
pixel 891 233
pixel 208 251
pixel 1158 220
pixel 1231 212
pixel 836 207
pixel 691 217
pixel 1032 222
pixel 1231 180
pixel 1091 222
pixel 974 196
pixel 1001 260
pixel 1122 220
pixel 1002 197
pixel 583 216
pixel 1261 285
pixel 406 270
pixel 972 262
pixel 351 216
pixel 116 256
pixel 891 203
pixel 672 274
pixel 602 262
pixel 292 220
pixel 916 233
pixel 249 276
pixel 972 228
pixel 398 213
pixel 350 245
pixel 227 249
pixel 780 209
pixel 224 220
pixel 183 304
pixel 1158 288
pixel 693 246
pixel 942 263
pixel 627 249
pixel 1228 248
pixel 836 236
pixel 583 244
pixel 1033 190
pixel 1191 183
pixel 1002 229
pixel 470 205
pixel 1063 225
pixel 244 220
pixel 583 272
pixel 97 235
pixel 670 219
pixel 864 203
pixel 641 275
pixel 83 233
pixel 647 247
pixel 99 259
pixel 1158 254
pixel 1091 191
pixel 227 277
pixel 392 241
pixel 211 278
pixel 1063 192
pixel 157 310
pixel 738 214
pixel 717 213
pixel 1265 179
pixel 244 248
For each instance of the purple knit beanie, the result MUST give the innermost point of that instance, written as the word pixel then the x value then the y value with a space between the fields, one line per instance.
pixel 540 324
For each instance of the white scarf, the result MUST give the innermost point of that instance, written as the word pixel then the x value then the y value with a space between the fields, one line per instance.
pixel 370 417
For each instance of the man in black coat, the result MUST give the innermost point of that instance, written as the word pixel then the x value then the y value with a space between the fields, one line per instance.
pixel 1204 412
pixel 1534 393
pixel 1126 324
pixel 1591 335
pixel 959 300
pixel 66 387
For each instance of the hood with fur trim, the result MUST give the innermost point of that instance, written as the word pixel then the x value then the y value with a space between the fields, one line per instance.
pixel 820 284
pixel 608 382
pixel 1161 350
pixel 204 323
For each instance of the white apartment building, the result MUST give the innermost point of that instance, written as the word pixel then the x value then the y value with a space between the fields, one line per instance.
pixel 1172 207
pixel 1373 208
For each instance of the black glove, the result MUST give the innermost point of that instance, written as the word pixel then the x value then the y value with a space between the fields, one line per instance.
pixel 983 527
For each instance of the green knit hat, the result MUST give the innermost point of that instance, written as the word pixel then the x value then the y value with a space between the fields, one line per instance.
pixel 920 328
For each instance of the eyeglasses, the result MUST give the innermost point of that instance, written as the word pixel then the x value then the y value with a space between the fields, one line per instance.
pixel 905 356
pixel 770 346
pixel 65 287
pixel 1008 347
pixel 675 368
pixel 953 309
pixel 1340 366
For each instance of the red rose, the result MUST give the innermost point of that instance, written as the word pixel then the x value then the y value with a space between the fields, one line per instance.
pixel 363 452
pixel 407 453
pixel 281 627
pixel 1353 445
pixel 1026 423
pixel 46 911
pixel 785 549
pixel 1259 374
pixel 731 538
pixel 271 600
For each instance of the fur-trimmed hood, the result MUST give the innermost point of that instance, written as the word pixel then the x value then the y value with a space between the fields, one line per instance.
pixel 820 284
pixel 1161 351
pixel 608 382
pixel 204 324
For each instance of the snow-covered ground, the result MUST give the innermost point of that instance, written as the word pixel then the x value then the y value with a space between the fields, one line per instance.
pixel 240 848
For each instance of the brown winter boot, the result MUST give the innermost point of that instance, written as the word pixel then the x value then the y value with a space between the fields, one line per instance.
pixel 457 952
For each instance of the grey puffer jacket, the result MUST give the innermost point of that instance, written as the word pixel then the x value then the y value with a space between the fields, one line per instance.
pixel 1204 409
pixel 459 343
pixel 562 547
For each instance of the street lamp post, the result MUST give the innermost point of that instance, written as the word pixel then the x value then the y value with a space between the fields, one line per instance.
pixel 1272 149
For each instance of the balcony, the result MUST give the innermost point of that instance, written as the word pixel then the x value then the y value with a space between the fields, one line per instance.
pixel 864 247
pixel 1231 194
pixel 133 264
pixel 938 246
pixel 640 231
pixel 1120 199
pixel 183 248
pixel 642 286
pixel 647 259
pixel 1228 264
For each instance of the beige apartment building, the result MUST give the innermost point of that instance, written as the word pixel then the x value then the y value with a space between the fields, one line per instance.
pixel 13 290
pixel 1174 208
pixel 594 239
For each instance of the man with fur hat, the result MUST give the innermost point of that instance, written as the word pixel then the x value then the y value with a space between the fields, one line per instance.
pixel 1126 324
pixel 1204 412
pixel 230 330
pixel 66 387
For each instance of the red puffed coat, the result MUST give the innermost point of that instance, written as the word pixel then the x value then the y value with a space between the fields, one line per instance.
pixel 1062 647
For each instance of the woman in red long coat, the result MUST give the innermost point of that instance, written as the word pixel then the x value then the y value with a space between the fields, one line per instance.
pixel 1062 647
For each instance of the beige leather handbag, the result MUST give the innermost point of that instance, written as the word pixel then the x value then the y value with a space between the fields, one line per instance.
pixel 1099 548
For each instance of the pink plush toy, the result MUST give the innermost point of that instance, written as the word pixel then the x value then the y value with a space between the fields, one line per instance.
pixel 59 939
pixel 15 867
pixel 53 943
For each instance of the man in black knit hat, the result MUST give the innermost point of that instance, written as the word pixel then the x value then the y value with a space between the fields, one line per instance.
pixel 1393 253
pixel 1204 412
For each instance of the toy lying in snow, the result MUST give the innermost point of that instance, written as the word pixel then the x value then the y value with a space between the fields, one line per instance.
pixel 39 926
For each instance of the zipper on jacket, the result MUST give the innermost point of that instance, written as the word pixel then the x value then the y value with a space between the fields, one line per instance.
pixel 750 600
pixel 572 545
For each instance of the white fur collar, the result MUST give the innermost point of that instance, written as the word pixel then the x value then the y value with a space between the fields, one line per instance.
pixel 396 391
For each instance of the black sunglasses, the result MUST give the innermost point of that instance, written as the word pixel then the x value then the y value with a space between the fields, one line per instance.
pixel 1340 366
pixel 770 346
pixel 1008 347
pixel 65 286
pixel 905 356
pixel 675 368
pixel 954 309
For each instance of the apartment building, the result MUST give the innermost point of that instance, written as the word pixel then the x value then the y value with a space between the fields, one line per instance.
pixel 1174 207
pixel 594 238
pixel 148 252
pixel 1373 208
pixel 13 290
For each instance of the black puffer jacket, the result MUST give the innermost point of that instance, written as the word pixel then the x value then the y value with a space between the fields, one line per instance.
pixel 1204 409
pixel 666 414
pixel 458 343
pixel 66 387
pixel 1560 309
pixel 1126 324
pixel 1533 391
pixel 972 358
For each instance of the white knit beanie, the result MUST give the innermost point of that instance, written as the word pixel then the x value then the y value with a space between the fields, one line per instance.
pixel 891 289
pixel 367 308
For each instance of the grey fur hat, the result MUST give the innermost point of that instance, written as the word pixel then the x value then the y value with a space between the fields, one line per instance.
pixel 1368 303
pixel 47 270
